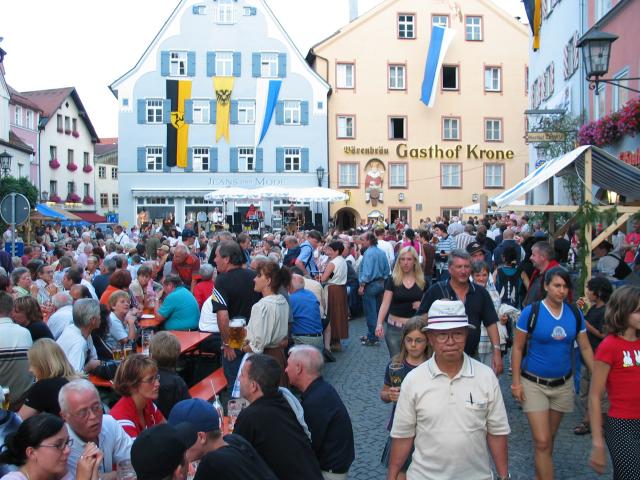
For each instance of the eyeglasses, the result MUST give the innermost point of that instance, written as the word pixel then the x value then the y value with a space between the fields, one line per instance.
pixel 457 336
pixel 84 413
pixel 417 341
pixel 61 446
pixel 155 378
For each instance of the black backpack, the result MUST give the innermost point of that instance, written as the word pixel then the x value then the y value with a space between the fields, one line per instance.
pixel 623 270
pixel 291 256
pixel 533 320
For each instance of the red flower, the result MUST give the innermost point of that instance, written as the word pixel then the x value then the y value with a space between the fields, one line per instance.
pixel 54 163
pixel 87 168
pixel 75 133
pixel 72 167
pixel 73 197
pixel 88 200
pixel 611 128
pixel 55 198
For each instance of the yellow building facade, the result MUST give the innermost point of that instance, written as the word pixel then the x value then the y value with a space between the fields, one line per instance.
pixel 390 152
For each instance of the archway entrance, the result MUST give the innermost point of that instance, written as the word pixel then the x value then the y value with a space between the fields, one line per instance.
pixel 347 218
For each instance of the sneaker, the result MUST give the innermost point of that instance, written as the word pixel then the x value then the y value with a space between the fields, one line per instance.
pixel 328 356
pixel 370 343
pixel 364 338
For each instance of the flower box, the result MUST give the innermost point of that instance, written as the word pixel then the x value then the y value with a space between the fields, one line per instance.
pixel 611 128
pixel 67 131
pixel 55 198
pixel 54 163
pixel 88 200
pixel 87 169
pixel 72 167
pixel 75 133
pixel 74 198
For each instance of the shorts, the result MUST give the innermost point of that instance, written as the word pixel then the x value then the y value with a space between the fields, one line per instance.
pixel 539 398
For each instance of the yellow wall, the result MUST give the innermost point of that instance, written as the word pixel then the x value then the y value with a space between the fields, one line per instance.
pixel 371 42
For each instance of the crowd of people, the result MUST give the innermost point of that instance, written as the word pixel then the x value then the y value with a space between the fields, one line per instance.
pixel 457 304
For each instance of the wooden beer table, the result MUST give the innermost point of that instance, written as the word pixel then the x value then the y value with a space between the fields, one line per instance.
pixel 100 382
pixel 189 341
pixel 150 322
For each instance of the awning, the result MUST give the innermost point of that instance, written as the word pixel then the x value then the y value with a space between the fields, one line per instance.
pixel 609 173
pixel 56 212
pixel 91 217
pixel 474 208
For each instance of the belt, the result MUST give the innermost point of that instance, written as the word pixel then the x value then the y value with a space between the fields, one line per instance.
pixel 307 334
pixel 397 322
pixel 547 382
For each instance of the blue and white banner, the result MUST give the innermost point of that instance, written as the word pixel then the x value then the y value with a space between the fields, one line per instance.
pixel 440 40
pixel 267 92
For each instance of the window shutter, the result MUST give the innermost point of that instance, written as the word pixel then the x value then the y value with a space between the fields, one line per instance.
pixel 259 162
pixel 213 159
pixel 304 159
pixel 165 167
pixel 233 159
pixel 576 52
pixel 188 111
pixel 279 159
pixel 304 113
pixel 280 113
pixel 566 57
pixel 255 65
pixel 164 64
pixel 142 159
pixel 236 64
pixel 234 112
pixel 166 111
pixel 211 64
pixel 212 111
pixel 191 64
pixel 142 111
pixel 189 167
pixel 282 65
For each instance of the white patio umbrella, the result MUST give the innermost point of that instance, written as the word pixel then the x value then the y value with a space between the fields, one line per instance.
pixel 317 194
pixel 272 193
pixel 231 193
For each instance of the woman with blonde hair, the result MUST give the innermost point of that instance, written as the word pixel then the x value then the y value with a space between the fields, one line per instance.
pixel 403 291
pixel 51 369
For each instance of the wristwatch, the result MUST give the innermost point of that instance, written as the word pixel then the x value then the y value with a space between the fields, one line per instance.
pixel 495 347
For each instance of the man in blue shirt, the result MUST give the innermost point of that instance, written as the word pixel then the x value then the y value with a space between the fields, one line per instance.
pixel 305 260
pixel 373 271
pixel 179 309
pixel 307 324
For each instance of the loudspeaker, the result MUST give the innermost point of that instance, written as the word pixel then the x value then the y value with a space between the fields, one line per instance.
pixel 307 216
pixel 229 220
pixel 236 228
pixel 237 219
pixel 318 221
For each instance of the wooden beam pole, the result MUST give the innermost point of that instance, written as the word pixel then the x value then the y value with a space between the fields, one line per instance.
pixel 610 229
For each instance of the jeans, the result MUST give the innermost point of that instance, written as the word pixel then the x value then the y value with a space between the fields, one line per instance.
pixel 230 368
pixel 393 338
pixel 372 300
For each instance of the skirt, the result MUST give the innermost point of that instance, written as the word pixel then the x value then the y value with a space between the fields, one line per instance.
pixel 338 311
pixel 278 354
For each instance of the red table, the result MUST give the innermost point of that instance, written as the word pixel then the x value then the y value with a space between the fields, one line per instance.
pixel 189 340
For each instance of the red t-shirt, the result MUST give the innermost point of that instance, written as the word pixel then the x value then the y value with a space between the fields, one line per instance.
pixel 187 270
pixel 633 239
pixel 202 291
pixel 623 382
pixel 124 411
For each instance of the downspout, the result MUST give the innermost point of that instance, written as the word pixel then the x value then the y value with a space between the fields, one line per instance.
pixel 39 163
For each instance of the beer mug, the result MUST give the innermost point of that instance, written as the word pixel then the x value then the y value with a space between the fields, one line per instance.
pixel 147 335
pixel 5 397
pixel 237 332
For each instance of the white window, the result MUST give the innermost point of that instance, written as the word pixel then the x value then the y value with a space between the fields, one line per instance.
pixel 85 159
pixel 494 175
pixel 268 65
pixel 449 212
pixel 451 129
pixel 59 122
pixel 104 200
pixel 291 112
pixel 347 175
pixel 492 79
pixel 71 188
pixel 154 111
pixel 246 159
pixel 440 21
pixel 450 77
pixel 53 152
pixel 345 75
pixel 493 130
pixel 199 10
pixel 114 173
pixel 396 77
pixel 406 26
pixel 30 119
pixel 115 200
pixel 247 11
pixel 620 95
pixel 201 111
pixel 200 159
pixel 178 64
pixel 602 7
pixel 102 172
pixel 346 127
pixel 18 116
pixel 397 128
pixel 224 64
pixel 53 187
pixel 154 159
pixel 398 175
pixel 292 159
pixel 226 12
pixel 450 175
pixel 87 190
pixel 246 112
pixel 473 28
pixel 600 102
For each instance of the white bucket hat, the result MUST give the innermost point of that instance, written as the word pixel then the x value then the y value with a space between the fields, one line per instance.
pixel 447 315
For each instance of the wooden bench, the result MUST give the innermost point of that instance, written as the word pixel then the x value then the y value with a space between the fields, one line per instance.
pixel 204 389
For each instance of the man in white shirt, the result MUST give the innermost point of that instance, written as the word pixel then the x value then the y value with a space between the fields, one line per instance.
pixel 385 246
pixel 75 339
pixel 85 242
pixel 63 315
pixel 75 276
pixel 120 237
pixel 81 408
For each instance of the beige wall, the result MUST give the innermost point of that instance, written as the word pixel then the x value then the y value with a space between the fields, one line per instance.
pixel 371 43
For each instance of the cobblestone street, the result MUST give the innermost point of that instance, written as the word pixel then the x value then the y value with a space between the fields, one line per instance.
pixel 358 375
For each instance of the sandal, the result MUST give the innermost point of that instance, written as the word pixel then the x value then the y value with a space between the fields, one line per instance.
pixel 583 428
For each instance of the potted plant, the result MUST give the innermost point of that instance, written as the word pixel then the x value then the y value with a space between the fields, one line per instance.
pixel 72 167
pixel 87 168
pixel 87 200
pixel 54 163
pixel 75 134
pixel 74 198
pixel 55 198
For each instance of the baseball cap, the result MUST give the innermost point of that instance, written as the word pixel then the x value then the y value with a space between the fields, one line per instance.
pixel 159 450
pixel 474 247
pixel 188 233
pixel 447 315
pixel 166 248
pixel 199 414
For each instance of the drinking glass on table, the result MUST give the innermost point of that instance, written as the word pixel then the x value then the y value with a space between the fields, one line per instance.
pixel 234 407
pixel 126 471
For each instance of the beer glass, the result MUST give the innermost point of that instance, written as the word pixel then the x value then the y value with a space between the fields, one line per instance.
pixel 234 407
pixel 147 335
pixel 117 353
pixel 126 471
pixel 395 374
pixel 5 398
pixel 127 349
pixel 237 332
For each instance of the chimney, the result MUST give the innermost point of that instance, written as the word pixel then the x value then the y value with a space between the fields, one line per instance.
pixel 353 10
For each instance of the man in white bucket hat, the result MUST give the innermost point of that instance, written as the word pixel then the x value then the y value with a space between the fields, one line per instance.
pixel 450 403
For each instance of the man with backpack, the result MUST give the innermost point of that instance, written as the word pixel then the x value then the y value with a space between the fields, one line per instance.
pixel 609 263
pixel 305 261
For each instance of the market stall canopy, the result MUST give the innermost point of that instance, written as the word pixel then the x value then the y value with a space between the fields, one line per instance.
pixel 474 209
pixel 317 194
pixel 57 213
pixel 91 217
pixel 609 173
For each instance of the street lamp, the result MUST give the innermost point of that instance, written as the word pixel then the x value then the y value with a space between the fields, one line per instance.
pixel 596 53
pixel 5 163
pixel 320 175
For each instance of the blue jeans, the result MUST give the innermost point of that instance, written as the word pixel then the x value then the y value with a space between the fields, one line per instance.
pixel 230 368
pixel 371 301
